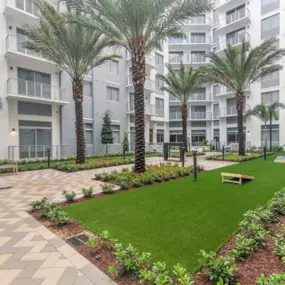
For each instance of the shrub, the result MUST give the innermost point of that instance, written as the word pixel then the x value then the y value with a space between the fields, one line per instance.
pixel 107 188
pixel 39 204
pixel 222 267
pixel 157 275
pixel 136 182
pixel 181 275
pixel 91 243
pixel 87 192
pixel 279 245
pixel 69 197
pixel 54 213
pixel 244 246
pixel 274 279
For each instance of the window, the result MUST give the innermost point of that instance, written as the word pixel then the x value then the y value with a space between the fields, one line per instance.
pixel 113 94
pixel 198 56
pixel 198 19
pixel 216 123
pixel 160 136
pixel 87 89
pixel 197 136
pixel 216 110
pixel 158 59
pixel 159 107
pixel 217 135
pixel 199 124
pixel 175 136
pixel 216 91
pixel 198 112
pixel 235 14
pixel 88 133
pixel 158 83
pixel 116 134
pixel 132 118
pixel 174 113
pixel 265 136
pixel 198 38
pixel 175 124
pixel 33 83
pixel 232 135
pixel 236 37
pixel 173 98
pixel 26 108
pixel 269 5
pixel 114 66
pixel 269 97
pixel 270 26
pixel 175 56
pixel 270 80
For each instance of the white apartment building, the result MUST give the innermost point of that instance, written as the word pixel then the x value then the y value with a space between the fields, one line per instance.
pixel 212 112
pixel 38 109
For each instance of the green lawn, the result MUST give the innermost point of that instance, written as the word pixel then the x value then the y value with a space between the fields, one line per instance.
pixel 174 220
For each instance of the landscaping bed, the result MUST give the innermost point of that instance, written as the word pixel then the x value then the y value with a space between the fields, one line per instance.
pixel 236 158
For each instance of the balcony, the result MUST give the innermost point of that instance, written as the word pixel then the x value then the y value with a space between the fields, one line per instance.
pixel 196 60
pixel 24 11
pixel 198 21
pixel 35 92
pixel 175 116
pixel 226 91
pixel 226 5
pixel 234 21
pixel 149 84
pixel 189 42
pixel 15 50
pixel 200 116
pixel 201 97
pixel 149 60
pixel 148 109
pixel 231 111
pixel 233 41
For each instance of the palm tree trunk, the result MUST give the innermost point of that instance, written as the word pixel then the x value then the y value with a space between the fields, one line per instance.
pixel 77 89
pixel 270 130
pixel 184 115
pixel 138 74
pixel 239 106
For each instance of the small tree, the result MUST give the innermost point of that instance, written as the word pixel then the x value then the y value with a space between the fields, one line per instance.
pixel 106 133
pixel 126 143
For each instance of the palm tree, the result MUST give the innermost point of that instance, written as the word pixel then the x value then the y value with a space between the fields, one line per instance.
pixel 239 67
pixel 182 85
pixel 139 26
pixel 73 48
pixel 265 113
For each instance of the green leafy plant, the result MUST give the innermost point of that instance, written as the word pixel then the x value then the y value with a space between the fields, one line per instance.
pixel 107 188
pixel 222 267
pixel 181 275
pixel 87 192
pixel 274 279
pixel 92 242
pixel 279 246
pixel 56 214
pixel 243 247
pixel 39 204
pixel 69 197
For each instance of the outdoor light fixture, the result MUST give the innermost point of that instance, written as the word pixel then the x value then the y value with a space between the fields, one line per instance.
pixel 13 131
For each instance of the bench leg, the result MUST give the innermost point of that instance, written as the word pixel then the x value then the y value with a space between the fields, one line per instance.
pixel 223 179
pixel 240 181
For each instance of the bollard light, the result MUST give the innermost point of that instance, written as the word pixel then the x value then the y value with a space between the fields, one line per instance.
pixel 195 164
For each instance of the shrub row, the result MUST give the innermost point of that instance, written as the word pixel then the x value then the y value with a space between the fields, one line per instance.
pixel 154 174
pixel 92 164
pixel 236 158
pixel 253 232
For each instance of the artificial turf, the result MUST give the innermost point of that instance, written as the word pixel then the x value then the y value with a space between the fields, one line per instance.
pixel 176 219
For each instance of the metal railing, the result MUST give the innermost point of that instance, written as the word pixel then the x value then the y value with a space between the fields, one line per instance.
pixel 154 147
pixel 33 89
pixel 189 59
pixel 236 40
pixel 200 115
pixel 201 97
pixel 233 17
pixel 195 40
pixel 198 20
pixel 15 43
pixel 149 109
pixel 18 152
pixel 27 6
pixel 175 116
pixel 159 112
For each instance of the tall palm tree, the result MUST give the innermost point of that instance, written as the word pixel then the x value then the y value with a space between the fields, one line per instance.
pixel 139 26
pixel 182 85
pixel 265 113
pixel 239 67
pixel 74 48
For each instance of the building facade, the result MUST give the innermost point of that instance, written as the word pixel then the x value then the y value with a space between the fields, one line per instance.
pixel 38 109
pixel 212 111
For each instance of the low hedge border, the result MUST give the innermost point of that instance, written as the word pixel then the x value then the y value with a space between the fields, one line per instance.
pixel 236 158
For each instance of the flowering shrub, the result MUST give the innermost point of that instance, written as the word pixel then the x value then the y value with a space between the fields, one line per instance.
pixel 155 173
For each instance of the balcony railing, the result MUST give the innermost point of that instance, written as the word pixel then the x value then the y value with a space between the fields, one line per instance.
pixel 149 59
pixel 17 152
pixel 201 97
pixel 27 6
pixel 33 89
pixel 236 40
pixel 159 112
pixel 15 44
pixel 149 109
pixel 200 115
pixel 148 84
pixel 198 20
pixel 233 17
pixel 175 116
pixel 194 40
pixel 232 110
pixel 189 59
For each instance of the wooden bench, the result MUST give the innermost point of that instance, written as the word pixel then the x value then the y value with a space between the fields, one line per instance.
pixel 239 177
pixel 13 166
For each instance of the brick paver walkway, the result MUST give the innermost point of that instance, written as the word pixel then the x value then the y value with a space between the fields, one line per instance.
pixel 30 254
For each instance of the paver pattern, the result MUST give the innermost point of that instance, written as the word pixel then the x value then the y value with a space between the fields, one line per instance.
pixel 30 254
